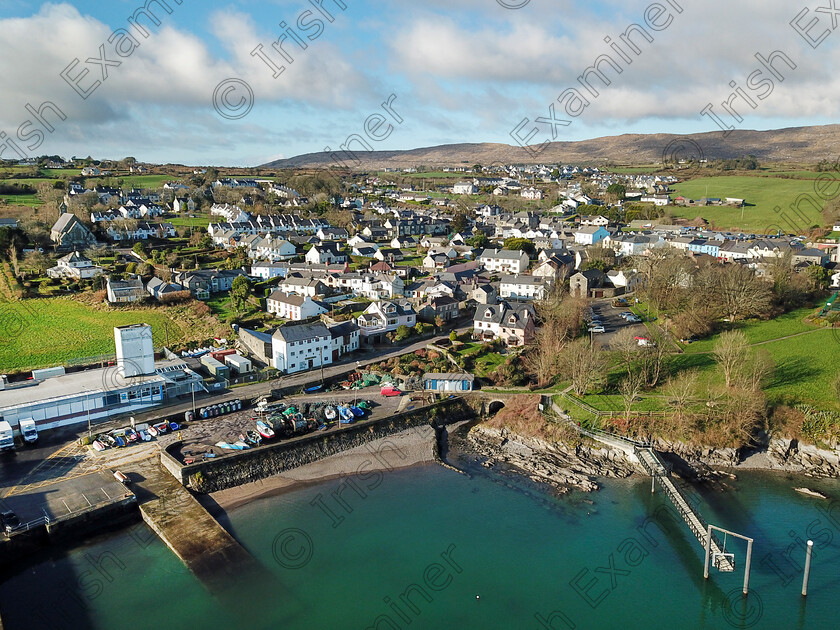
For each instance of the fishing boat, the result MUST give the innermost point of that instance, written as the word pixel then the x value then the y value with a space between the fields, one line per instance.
pixel 254 437
pixel 242 445
pixel 364 404
pixel 232 447
pixel 131 435
pixel 161 427
pixel 120 441
pixel 152 430
pixel 144 435
pixel 345 413
pixel 99 446
pixel 314 388
pixel 107 440
pixel 173 426
pixel 357 411
pixel 329 412
pixel 264 430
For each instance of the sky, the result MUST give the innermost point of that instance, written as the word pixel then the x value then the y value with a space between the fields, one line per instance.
pixel 206 87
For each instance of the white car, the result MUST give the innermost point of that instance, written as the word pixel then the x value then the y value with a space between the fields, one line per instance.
pixel 597 328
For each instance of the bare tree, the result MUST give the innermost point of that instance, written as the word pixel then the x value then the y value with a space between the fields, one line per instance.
pixel 681 391
pixel 754 373
pixel 731 353
pixel 586 365
pixel 740 293
pixel 626 347
pixel 629 388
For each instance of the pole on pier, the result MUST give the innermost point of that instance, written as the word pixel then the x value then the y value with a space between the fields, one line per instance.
pixel 708 552
pixel 808 551
pixel 653 483
pixel 747 566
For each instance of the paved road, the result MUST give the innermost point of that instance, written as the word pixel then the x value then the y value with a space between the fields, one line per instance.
pixel 613 322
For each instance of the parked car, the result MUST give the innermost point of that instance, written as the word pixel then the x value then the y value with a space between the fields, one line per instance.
pixel 9 521
pixel 644 341
pixel 634 319
pixel 390 391
pixel 626 314
pixel 598 328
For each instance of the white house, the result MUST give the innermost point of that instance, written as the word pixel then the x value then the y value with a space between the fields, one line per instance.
pixel 293 307
pixel 531 193
pixel 74 265
pixel 345 339
pixel 266 270
pixel 504 260
pixel 464 188
pixel 380 318
pixel 523 288
pixel 590 235
pixel 595 220
pixel 298 347
pixel 325 253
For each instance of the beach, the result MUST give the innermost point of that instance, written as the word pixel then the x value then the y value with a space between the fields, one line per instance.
pixel 401 450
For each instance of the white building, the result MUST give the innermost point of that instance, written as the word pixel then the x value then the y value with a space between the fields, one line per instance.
pixel 523 288
pixel 380 318
pixel 299 347
pixel 293 307
pixel 74 265
pixel 464 188
pixel 504 260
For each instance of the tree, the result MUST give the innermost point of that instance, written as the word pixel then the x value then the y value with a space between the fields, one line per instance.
pixel 402 333
pixel 480 241
pixel 453 336
pixel 681 392
pixel 731 353
pixel 629 388
pixel 37 262
pixel 460 222
pixel 521 244
pixel 616 192
pixel 140 250
pixel 626 347
pixel 240 291
pixel 439 321
pixel 739 292
pixel 144 269
pixel 586 365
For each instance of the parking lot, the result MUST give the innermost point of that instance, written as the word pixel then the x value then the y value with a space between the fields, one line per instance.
pixel 613 322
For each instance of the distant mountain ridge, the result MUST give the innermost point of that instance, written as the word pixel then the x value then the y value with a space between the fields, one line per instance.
pixel 795 144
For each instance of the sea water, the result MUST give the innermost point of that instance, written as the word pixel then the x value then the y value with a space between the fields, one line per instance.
pixel 429 548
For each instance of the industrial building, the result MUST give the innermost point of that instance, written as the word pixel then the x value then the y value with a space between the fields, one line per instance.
pixel 54 399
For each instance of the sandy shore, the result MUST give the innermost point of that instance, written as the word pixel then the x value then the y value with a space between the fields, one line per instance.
pixel 401 450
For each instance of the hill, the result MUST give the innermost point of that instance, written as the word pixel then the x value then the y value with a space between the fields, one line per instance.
pixel 804 145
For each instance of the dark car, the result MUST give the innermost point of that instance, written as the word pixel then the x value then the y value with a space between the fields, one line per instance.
pixel 9 521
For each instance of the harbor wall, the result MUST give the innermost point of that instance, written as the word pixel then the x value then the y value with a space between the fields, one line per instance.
pixel 254 464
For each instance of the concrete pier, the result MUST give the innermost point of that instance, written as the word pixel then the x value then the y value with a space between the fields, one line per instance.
pixel 207 549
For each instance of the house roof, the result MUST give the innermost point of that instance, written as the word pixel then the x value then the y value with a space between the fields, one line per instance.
pixel 342 329
pixel 293 300
pixel 301 332
pixel 508 254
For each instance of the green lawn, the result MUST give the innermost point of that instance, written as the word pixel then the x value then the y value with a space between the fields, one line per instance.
pixel 146 181
pixel 22 200
pixel 762 193
pixel 52 331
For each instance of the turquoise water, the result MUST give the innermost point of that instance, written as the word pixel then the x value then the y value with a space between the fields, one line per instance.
pixel 428 548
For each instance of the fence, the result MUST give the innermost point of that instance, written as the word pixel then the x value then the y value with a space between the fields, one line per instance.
pixel 598 413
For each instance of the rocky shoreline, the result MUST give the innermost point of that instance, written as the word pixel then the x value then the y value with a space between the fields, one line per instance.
pixel 568 467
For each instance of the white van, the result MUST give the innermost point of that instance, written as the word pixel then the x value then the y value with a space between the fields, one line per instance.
pixel 7 437
pixel 28 430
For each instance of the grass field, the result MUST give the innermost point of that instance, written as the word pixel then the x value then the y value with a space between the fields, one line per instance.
pixel 762 194
pixel 52 331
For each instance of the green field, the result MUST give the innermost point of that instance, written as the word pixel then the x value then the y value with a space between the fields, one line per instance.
pixel 762 194
pixel 52 331
pixel 22 200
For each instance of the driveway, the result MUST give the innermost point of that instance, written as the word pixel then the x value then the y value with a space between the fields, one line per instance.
pixel 613 322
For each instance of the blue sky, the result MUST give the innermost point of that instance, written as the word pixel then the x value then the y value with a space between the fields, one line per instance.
pixel 461 71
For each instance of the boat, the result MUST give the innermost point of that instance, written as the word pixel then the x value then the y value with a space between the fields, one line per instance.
pixel 264 430
pixel 131 435
pixel 173 426
pixel 99 446
pixel 161 427
pixel 357 411
pixel 329 412
pixel 321 427
pixel 314 388
pixel 345 413
pixel 254 436
pixel 107 440
pixel 364 404
pixel 232 447
pixel 152 430
pixel 119 440
pixel 144 435
pixel 243 446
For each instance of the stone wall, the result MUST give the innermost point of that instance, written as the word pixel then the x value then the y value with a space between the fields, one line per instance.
pixel 246 466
